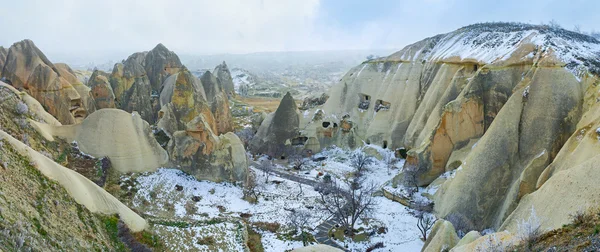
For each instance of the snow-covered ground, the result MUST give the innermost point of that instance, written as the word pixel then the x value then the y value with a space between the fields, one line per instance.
pixel 177 196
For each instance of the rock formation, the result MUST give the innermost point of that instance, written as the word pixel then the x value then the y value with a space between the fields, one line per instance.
pixel 195 144
pixel 442 236
pixel 131 87
pixel 278 128
pixel 3 54
pixel 224 76
pixel 508 108
pixel 219 103
pixel 26 67
pixel 123 137
pixel 160 63
pixel 87 99
pixel 101 90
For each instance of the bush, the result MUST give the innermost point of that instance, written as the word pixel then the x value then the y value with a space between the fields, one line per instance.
pixel 268 226
pixel 207 241
pixel 21 108
pixel 529 231
pixel 581 217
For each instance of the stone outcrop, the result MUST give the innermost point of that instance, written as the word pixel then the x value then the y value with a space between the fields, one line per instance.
pixel 507 106
pixel 26 67
pixel 132 88
pixel 224 76
pixel 314 101
pixel 442 237
pixel 277 129
pixel 159 63
pixel 87 99
pixel 195 145
pixel 219 103
pixel 101 89
pixel 3 54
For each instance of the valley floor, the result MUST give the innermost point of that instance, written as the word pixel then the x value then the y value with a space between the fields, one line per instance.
pixel 208 216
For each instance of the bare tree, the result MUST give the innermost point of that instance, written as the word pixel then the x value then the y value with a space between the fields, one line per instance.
pixel 360 161
pixel 296 159
pixel 252 189
pixel 348 206
pixel 390 160
pixel 424 224
pixel 267 167
pixel 300 219
pixel 411 179
pixel 245 136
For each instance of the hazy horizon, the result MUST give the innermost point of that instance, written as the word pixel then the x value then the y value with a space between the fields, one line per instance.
pixel 101 30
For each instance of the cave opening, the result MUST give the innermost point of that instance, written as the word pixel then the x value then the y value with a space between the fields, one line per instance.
pixel 325 124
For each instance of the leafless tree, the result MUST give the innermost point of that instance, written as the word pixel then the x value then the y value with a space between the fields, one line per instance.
pixel 252 189
pixel 245 136
pixel 390 161
pixel 267 167
pixel 360 161
pixel 300 219
pixel 296 160
pixel 348 206
pixel 424 224
pixel 411 178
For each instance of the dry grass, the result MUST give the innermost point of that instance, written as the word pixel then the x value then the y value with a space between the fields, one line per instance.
pixel 263 104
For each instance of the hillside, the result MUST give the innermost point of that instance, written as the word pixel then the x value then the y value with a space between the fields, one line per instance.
pixel 493 117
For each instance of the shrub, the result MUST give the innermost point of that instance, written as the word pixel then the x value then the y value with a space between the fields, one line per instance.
pixel 21 108
pixel 268 226
pixel 581 217
pixel 529 231
pixel 207 241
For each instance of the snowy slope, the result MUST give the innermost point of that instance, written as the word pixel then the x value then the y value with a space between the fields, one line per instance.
pixel 242 77
pixel 493 42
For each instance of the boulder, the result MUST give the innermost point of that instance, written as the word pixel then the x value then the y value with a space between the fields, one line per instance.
pixel 26 67
pixel 224 76
pixel 314 101
pixel 500 241
pixel 468 238
pixel 219 103
pixel 442 237
pixel 101 89
pixel 132 88
pixel 278 128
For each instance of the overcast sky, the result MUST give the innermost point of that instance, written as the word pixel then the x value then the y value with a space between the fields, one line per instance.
pixel 92 27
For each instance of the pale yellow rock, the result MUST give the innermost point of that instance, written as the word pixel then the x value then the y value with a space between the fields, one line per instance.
pixel 83 190
pixel 492 242
pixel 317 248
pixel 468 238
pixel 442 236
pixel 123 137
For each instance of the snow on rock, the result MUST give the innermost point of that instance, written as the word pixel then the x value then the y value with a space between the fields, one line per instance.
pixel 493 42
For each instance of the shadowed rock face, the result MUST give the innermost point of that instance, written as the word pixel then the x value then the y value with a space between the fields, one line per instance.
pixel 101 90
pixel 224 76
pixel 132 87
pixel 159 63
pixel 495 102
pixel 26 67
pixel 219 103
pixel 195 145
pixel 278 128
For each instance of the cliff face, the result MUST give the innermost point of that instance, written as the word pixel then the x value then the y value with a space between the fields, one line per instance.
pixel 26 67
pixel 495 102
